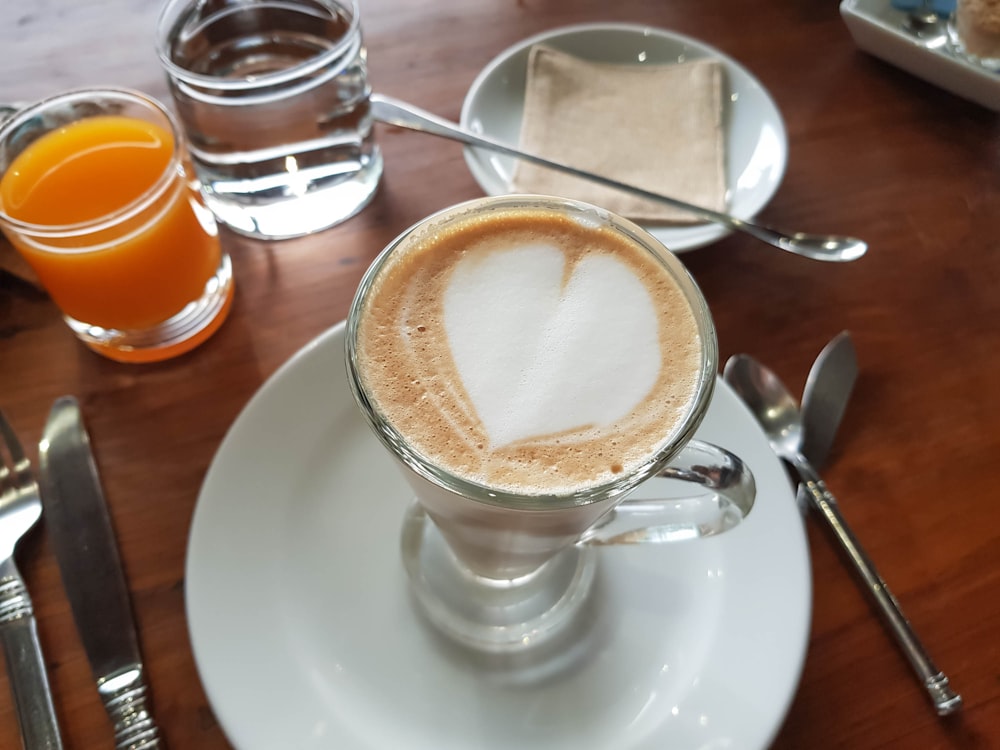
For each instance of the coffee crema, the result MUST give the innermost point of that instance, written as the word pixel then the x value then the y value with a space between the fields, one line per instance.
pixel 528 351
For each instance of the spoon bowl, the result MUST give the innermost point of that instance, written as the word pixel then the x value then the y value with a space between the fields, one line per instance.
pixel 774 407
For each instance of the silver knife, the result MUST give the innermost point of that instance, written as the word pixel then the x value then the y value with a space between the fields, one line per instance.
pixel 828 388
pixel 77 520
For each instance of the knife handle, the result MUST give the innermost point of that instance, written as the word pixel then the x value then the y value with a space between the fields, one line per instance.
pixel 934 681
pixel 125 699
pixel 29 680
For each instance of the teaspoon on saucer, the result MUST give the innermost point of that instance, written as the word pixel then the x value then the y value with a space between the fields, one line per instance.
pixel 830 248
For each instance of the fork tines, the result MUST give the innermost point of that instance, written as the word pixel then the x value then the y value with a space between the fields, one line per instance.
pixel 19 470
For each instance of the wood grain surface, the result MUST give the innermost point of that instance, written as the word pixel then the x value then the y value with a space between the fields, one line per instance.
pixel 873 152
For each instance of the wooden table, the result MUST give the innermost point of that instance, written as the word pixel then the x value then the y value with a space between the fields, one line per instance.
pixel 874 152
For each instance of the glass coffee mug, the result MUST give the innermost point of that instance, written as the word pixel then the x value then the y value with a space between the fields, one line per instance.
pixel 530 361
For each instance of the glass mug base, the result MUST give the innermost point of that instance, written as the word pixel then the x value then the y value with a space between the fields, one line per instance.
pixel 179 334
pixel 496 616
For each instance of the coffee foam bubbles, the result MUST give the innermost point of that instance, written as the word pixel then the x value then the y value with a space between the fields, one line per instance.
pixel 537 348
pixel 526 352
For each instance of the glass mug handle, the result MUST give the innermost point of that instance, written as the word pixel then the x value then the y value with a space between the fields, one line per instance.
pixel 729 496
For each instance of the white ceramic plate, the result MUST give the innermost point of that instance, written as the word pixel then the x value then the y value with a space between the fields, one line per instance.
pixel 877 28
pixel 304 634
pixel 755 139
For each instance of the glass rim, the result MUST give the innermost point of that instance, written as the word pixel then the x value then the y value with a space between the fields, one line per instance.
pixel 113 218
pixel 167 21
pixel 424 467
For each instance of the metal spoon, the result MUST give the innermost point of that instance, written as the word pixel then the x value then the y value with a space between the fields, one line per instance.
pixel 778 414
pixel 826 247
pixel 926 25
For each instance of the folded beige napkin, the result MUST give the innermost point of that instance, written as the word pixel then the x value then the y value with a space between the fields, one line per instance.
pixel 657 127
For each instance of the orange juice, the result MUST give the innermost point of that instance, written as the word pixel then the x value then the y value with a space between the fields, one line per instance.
pixel 118 238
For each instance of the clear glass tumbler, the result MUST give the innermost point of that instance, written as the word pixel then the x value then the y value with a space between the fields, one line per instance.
pixel 273 96
pixel 98 198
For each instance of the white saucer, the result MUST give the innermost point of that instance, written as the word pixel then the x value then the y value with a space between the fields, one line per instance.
pixel 305 637
pixel 756 142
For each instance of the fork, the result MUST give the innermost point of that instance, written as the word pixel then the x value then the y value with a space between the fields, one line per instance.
pixel 20 508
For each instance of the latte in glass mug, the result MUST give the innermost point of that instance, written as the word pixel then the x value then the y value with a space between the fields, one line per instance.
pixel 530 350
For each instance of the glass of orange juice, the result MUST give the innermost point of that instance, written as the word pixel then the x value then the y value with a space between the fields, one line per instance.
pixel 97 196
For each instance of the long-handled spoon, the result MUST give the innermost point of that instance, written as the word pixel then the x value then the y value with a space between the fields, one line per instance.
pixel 778 414
pixel 825 247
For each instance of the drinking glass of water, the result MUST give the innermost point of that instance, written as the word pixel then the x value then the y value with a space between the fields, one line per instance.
pixel 273 96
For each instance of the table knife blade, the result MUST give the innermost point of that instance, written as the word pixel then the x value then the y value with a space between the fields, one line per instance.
pixel 824 400
pixel 83 540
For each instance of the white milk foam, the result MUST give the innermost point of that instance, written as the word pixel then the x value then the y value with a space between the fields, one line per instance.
pixel 539 353
pixel 524 351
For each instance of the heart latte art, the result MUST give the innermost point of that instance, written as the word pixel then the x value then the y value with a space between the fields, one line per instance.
pixel 529 352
